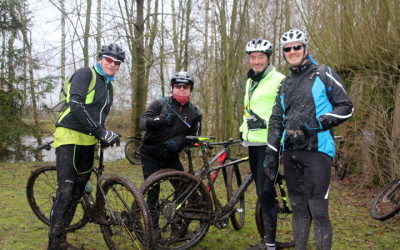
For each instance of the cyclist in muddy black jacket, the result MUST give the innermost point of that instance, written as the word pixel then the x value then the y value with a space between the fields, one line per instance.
pixel 310 101
pixel 165 132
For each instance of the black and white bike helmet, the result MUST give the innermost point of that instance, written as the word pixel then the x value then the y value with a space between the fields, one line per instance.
pixel 113 50
pixel 259 45
pixel 293 36
pixel 183 77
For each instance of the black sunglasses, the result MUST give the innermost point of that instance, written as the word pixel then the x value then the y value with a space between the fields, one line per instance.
pixel 296 47
pixel 179 86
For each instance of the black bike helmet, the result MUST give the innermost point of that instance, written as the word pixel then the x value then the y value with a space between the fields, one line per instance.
pixel 113 50
pixel 183 77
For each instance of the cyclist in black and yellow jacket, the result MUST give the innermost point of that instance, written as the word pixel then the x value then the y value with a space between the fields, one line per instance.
pixel 261 85
pixel 78 128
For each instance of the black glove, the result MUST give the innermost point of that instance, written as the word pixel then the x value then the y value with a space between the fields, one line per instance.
pixel 109 138
pixel 325 122
pixel 171 146
pixel 270 167
pixel 309 125
pixel 255 122
pixel 162 120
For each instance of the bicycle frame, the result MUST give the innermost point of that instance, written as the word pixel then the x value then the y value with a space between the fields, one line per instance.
pixel 220 212
pixel 94 210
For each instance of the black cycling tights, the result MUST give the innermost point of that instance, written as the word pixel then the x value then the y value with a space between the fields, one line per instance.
pixel 70 160
pixel 265 191
pixel 308 177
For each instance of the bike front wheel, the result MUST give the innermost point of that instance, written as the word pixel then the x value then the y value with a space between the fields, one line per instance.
pixel 387 202
pixel 127 223
pixel 180 208
pixel 234 180
pixel 41 191
pixel 284 233
pixel 132 151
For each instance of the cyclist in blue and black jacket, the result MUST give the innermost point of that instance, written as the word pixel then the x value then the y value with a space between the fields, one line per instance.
pixel 310 101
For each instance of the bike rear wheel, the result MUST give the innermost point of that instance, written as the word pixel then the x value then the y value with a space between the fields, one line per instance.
pixel 234 180
pixel 284 233
pixel 177 224
pixel 130 228
pixel 132 151
pixel 41 191
pixel 387 202
pixel 340 164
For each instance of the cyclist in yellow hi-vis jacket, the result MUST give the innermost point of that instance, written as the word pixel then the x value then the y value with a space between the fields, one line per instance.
pixel 261 86
pixel 79 126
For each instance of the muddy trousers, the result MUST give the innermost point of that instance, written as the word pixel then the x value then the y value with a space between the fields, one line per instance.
pixel 74 166
pixel 308 178
pixel 265 191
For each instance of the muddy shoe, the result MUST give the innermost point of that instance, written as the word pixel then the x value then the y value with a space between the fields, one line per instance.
pixel 262 245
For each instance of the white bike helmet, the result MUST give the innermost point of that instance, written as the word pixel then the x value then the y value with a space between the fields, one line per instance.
pixel 293 36
pixel 259 45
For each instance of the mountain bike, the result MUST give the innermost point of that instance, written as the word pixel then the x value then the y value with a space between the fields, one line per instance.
pixel 132 147
pixel 340 158
pixel 387 202
pixel 183 207
pixel 284 236
pixel 117 206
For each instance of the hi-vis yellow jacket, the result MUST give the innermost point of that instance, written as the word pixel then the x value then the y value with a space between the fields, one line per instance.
pixel 260 98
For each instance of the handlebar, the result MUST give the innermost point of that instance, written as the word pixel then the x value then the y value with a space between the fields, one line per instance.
pixel 200 138
pixel 338 137
pixel 46 146
pixel 224 143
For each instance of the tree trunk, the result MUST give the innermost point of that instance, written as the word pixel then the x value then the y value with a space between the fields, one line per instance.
pixel 24 29
pixel 86 34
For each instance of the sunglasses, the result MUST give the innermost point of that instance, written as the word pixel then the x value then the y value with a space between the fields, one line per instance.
pixel 179 86
pixel 111 60
pixel 296 47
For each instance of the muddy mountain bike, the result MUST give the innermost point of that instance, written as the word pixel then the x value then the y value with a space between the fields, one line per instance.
pixel 387 202
pixel 117 206
pixel 183 206
pixel 132 147
pixel 340 158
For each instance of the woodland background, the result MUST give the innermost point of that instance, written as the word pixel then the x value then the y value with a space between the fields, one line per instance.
pixel 360 39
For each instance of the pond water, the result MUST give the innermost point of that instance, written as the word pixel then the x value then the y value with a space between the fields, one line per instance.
pixel 111 154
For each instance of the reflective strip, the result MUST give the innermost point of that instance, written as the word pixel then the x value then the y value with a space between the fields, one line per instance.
pixel 327 194
pixel 272 147
pixel 336 81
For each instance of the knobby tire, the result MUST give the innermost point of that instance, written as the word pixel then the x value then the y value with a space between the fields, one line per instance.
pixel 132 227
pixel 41 192
pixel 132 151
pixel 387 202
pixel 171 229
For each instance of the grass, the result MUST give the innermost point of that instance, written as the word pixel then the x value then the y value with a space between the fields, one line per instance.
pixel 350 201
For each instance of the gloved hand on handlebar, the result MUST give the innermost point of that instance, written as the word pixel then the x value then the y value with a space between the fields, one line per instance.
pixel 109 138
